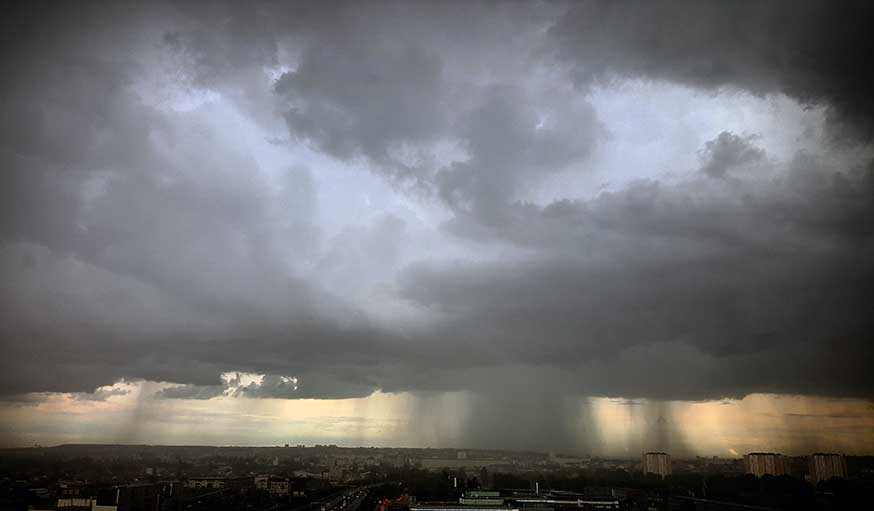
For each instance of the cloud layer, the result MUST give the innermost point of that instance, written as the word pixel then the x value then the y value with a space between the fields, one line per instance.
pixel 351 199
pixel 812 51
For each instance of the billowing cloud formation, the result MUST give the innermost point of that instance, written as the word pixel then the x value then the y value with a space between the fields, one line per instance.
pixel 358 99
pixel 729 151
pixel 276 386
pixel 394 197
pixel 813 51
pixel 509 148
pixel 734 285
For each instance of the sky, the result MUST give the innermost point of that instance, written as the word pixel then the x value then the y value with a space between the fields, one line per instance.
pixel 588 227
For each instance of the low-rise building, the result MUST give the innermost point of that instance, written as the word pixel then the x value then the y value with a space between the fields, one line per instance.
pixel 278 487
pixel 274 485
pixel 78 504
pixel 216 483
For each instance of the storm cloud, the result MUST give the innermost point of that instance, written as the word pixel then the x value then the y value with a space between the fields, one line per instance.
pixel 397 197
pixel 810 50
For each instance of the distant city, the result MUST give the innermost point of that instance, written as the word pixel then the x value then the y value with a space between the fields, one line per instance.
pixel 332 478
pixel 563 251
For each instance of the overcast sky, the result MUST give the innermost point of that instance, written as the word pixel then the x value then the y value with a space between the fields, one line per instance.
pixel 473 217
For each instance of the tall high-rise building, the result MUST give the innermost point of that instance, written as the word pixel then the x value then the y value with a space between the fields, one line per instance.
pixel 657 463
pixel 825 466
pixel 761 463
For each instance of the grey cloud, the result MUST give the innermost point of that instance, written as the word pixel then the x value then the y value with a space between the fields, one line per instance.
pixel 100 394
pixel 509 151
pixel 223 40
pixel 379 91
pixel 27 399
pixel 377 247
pixel 819 416
pixel 364 99
pixel 34 398
pixel 143 243
pixel 136 239
pixel 389 83
pixel 313 385
pixel 191 392
pixel 718 286
pixel 729 151
pixel 813 51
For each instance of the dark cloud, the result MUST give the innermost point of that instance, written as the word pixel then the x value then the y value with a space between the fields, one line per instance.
pixel 813 51
pixel 512 148
pixel 820 416
pixel 191 392
pixel 729 151
pixel 101 394
pixel 354 99
pixel 133 236
pixel 389 87
pixel 311 385
pixel 139 241
pixel 678 291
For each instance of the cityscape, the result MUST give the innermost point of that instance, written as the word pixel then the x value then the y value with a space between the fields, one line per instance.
pixel 436 255
pixel 328 477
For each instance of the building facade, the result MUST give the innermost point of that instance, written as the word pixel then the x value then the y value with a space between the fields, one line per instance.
pixel 824 466
pixel 762 463
pixel 278 486
pixel 658 463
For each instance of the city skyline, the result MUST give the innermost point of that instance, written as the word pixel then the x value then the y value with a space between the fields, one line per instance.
pixel 587 227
